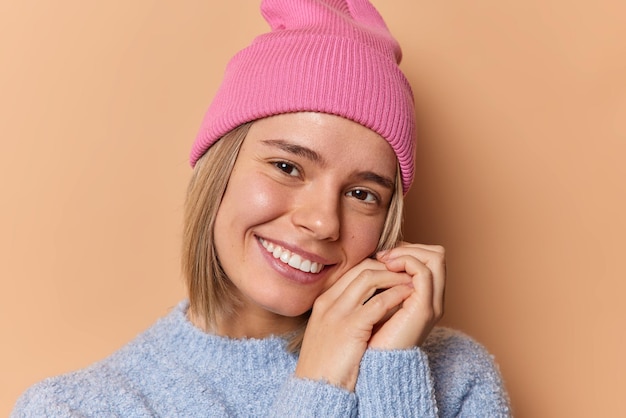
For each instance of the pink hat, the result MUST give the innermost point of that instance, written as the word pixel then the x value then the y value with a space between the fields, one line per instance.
pixel 329 56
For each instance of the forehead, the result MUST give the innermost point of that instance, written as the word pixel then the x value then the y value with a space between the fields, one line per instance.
pixel 338 141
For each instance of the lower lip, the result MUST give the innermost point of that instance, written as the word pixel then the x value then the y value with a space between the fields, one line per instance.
pixel 290 273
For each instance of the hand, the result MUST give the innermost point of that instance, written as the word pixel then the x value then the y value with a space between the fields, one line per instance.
pixel 351 314
pixel 412 322
pixel 341 322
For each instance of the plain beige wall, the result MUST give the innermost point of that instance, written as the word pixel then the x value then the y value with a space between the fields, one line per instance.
pixel 522 112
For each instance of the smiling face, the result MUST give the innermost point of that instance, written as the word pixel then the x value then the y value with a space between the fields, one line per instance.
pixel 306 201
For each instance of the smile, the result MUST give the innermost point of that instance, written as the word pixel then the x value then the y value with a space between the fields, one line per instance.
pixel 291 259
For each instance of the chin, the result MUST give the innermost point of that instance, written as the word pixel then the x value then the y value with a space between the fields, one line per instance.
pixel 292 311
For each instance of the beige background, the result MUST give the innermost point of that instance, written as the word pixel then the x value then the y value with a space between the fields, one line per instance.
pixel 522 112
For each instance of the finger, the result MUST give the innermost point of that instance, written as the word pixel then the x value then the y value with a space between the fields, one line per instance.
pixel 377 308
pixel 432 256
pixel 410 325
pixel 364 287
pixel 428 287
pixel 370 282
pixel 419 271
pixel 340 285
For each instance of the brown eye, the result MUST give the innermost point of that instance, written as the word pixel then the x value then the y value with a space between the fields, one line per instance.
pixel 287 168
pixel 363 195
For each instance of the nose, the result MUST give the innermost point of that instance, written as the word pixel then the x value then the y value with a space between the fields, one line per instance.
pixel 319 215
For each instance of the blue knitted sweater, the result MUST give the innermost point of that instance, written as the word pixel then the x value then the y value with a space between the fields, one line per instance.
pixel 175 370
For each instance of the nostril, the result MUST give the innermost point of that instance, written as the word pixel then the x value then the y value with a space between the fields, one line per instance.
pixel 322 223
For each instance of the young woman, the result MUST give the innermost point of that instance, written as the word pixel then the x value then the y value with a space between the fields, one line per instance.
pixel 303 301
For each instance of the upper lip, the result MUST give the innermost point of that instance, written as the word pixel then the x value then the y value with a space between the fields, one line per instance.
pixel 302 253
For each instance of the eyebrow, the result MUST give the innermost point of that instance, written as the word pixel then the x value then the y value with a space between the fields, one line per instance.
pixel 313 156
pixel 295 149
pixel 383 181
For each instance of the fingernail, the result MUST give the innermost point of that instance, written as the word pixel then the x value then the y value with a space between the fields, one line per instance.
pixel 382 253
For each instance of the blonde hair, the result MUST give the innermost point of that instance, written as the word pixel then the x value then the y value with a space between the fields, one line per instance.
pixel 211 293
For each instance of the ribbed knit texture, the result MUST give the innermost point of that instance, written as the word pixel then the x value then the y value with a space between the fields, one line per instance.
pixel 175 370
pixel 329 56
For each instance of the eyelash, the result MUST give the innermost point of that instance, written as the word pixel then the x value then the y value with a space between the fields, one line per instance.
pixel 374 197
pixel 288 167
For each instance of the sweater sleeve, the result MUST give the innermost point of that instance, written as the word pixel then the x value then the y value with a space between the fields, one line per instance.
pixel 73 396
pixel 41 401
pixel 308 398
pixel 451 375
pixel 467 380
pixel 395 383
pixel 77 395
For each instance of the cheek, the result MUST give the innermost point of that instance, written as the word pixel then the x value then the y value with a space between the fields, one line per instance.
pixel 360 242
pixel 364 235
pixel 260 195
pixel 254 197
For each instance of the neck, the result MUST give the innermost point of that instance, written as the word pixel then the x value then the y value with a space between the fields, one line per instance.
pixel 259 324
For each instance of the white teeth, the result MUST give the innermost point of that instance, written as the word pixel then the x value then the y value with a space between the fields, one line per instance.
pixel 293 260
pixel 305 266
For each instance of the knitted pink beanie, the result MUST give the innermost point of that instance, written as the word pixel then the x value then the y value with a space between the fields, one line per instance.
pixel 329 56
